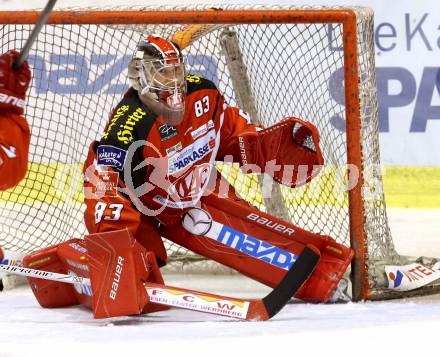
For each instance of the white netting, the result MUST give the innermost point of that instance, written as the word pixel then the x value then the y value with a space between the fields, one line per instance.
pixel 292 70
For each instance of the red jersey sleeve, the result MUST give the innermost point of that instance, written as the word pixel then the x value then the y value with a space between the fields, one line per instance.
pixel 14 148
pixel 235 123
pixel 109 205
pixel 106 208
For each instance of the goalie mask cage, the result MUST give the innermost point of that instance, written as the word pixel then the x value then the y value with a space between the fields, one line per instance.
pixel 310 62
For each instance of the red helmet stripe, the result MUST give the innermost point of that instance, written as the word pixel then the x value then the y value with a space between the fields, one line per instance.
pixel 175 48
pixel 166 48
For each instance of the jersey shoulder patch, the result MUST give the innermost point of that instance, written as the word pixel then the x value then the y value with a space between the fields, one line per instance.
pixel 131 120
pixel 196 83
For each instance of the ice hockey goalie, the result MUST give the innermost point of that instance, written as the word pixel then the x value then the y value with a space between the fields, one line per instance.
pixel 152 175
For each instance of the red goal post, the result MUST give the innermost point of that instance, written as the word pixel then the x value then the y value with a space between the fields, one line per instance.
pixel 355 37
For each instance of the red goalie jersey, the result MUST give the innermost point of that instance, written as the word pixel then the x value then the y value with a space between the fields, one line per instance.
pixel 159 170
pixel 143 172
pixel 14 130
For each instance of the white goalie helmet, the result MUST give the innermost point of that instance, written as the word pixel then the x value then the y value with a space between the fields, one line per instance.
pixel 157 72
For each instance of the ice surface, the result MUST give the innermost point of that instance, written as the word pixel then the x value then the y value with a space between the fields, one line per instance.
pixel 394 328
pixel 405 327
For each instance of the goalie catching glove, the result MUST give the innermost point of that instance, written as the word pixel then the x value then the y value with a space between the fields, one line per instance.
pixel 288 151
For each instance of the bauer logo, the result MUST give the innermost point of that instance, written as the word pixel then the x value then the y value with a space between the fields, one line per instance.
pixel 116 278
pixel 256 248
pixel 111 156
pixel 270 224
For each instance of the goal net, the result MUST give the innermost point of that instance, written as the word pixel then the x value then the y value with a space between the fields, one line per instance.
pixel 310 62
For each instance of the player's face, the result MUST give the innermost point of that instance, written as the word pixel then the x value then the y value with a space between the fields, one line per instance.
pixel 167 79
pixel 166 74
pixel 169 76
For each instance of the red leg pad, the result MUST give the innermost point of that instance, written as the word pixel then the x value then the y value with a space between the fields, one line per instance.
pixel 118 267
pixel 154 276
pixel 244 239
pixel 50 293
pixel 73 255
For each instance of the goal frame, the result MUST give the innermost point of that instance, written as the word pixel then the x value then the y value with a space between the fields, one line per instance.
pixel 345 17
